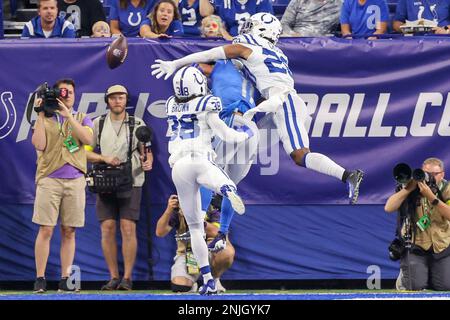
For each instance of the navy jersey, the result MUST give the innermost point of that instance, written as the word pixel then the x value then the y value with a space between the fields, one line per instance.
pixel 190 17
pixel 235 91
pixel 234 14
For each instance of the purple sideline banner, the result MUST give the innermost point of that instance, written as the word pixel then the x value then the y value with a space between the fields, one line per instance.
pixel 372 104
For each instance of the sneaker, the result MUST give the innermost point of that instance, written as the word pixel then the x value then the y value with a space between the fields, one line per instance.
pixel 40 285
pixel 194 288
pixel 220 288
pixel 111 285
pixel 125 284
pixel 399 283
pixel 63 286
pixel 218 243
pixel 354 180
pixel 208 288
pixel 230 192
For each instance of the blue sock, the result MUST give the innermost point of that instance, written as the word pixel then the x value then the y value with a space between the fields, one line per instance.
pixel 205 269
pixel 226 215
pixel 206 196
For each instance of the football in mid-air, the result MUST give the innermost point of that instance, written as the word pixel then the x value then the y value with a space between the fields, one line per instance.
pixel 117 52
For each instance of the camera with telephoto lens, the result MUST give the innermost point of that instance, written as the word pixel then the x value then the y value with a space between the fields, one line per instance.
pixel 403 174
pixel 49 95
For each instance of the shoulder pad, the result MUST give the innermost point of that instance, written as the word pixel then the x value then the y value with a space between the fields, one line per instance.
pixel 241 39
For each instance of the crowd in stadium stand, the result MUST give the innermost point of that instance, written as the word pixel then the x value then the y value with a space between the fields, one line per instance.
pixel 224 18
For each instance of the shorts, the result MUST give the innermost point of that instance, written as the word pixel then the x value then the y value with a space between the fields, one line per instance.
pixel 110 207
pixel 60 198
pixel 179 269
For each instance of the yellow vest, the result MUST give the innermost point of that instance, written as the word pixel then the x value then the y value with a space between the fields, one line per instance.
pixel 55 154
pixel 437 235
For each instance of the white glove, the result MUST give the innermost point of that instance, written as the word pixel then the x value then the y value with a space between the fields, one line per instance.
pixel 163 68
pixel 249 114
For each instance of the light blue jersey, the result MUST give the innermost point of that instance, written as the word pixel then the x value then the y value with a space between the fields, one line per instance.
pixel 236 92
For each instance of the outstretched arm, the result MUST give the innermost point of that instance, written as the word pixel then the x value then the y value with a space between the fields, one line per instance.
pixel 224 132
pixel 270 105
pixel 229 51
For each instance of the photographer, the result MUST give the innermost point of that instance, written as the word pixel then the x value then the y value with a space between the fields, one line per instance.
pixel 115 136
pixel 185 272
pixel 58 136
pixel 427 264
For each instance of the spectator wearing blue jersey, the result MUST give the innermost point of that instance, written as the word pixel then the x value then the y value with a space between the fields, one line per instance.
pixel 434 10
pixel 47 24
pixel 163 21
pixel 190 16
pixel 126 16
pixel 235 12
pixel 364 17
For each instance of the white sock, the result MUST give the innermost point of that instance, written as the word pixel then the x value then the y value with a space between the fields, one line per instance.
pixel 199 248
pixel 321 163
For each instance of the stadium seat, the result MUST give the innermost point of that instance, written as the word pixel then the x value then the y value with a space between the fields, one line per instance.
pixel 106 9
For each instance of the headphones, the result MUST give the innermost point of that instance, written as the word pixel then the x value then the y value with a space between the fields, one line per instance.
pixel 118 87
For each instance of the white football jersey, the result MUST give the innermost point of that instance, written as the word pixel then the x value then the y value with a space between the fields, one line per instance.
pixel 193 124
pixel 267 67
pixel 187 126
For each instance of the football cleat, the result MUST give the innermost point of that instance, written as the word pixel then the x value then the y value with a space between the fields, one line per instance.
pixel 354 180
pixel 208 288
pixel 230 192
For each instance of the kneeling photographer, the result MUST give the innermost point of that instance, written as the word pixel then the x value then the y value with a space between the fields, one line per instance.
pixel 117 178
pixel 423 243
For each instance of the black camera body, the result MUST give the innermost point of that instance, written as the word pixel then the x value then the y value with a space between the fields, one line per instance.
pixel 406 222
pixel 106 179
pixel 49 95
pixel 396 249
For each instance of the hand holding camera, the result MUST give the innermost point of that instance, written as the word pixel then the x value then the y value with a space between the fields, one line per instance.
pixel 411 186
pixel 426 191
pixel 63 110
pixel 173 203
